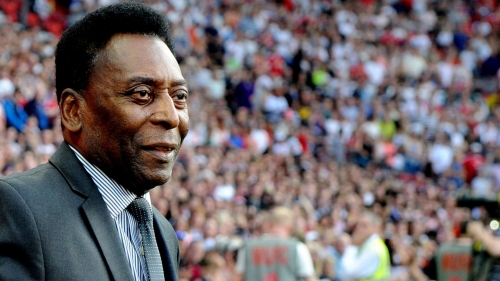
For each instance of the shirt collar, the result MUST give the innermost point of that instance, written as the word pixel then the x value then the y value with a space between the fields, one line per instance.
pixel 372 238
pixel 116 197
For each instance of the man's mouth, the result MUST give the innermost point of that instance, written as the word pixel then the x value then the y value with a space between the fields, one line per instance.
pixel 162 152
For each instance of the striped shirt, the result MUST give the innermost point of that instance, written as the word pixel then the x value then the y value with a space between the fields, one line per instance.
pixel 117 198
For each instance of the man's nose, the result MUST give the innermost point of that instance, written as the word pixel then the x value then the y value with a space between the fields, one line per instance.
pixel 165 112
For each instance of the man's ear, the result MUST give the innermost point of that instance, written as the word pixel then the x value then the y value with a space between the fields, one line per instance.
pixel 71 104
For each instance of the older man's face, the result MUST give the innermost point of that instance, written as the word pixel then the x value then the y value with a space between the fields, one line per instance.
pixel 135 114
pixel 364 229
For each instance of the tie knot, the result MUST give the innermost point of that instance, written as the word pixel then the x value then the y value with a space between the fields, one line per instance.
pixel 140 209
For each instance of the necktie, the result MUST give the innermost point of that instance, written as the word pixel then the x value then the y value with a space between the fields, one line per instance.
pixel 141 210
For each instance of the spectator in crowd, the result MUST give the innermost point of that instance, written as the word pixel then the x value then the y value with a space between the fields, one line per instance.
pixel 15 114
pixel 367 257
pixel 275 255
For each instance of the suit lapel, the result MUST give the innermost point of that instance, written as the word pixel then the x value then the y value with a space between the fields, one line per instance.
pixel 107 237
pixel 168 246
pixel 94 211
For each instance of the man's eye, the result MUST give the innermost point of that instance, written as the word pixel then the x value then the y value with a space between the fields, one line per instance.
pixel 181 95
pixel 142 95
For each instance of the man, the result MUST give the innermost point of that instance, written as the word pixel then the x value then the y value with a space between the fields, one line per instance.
pixel 86 214
pixel 487 239
pixel 275 256
pixel 367 258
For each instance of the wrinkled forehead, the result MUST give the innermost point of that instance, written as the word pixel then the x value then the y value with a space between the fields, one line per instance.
pixel 129 57
pixel 128 46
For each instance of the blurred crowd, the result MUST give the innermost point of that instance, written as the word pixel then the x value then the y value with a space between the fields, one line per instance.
pixel 325 106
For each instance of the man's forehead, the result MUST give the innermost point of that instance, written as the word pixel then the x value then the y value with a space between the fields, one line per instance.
pixel 130 53
pixel 122 43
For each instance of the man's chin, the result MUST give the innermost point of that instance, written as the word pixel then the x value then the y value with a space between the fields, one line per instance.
pixel 145 186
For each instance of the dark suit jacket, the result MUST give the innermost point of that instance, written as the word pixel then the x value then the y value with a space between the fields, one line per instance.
pixel 54 225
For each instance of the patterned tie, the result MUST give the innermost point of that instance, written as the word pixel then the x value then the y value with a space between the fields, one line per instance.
pixel 141 210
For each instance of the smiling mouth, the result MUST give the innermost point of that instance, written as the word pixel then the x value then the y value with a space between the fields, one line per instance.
pixel 164 154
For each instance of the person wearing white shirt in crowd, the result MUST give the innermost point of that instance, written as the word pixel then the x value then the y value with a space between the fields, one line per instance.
pixel 441 154
pixel 367 258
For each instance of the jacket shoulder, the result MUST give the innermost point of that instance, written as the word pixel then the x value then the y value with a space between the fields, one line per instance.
pixel 33 180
